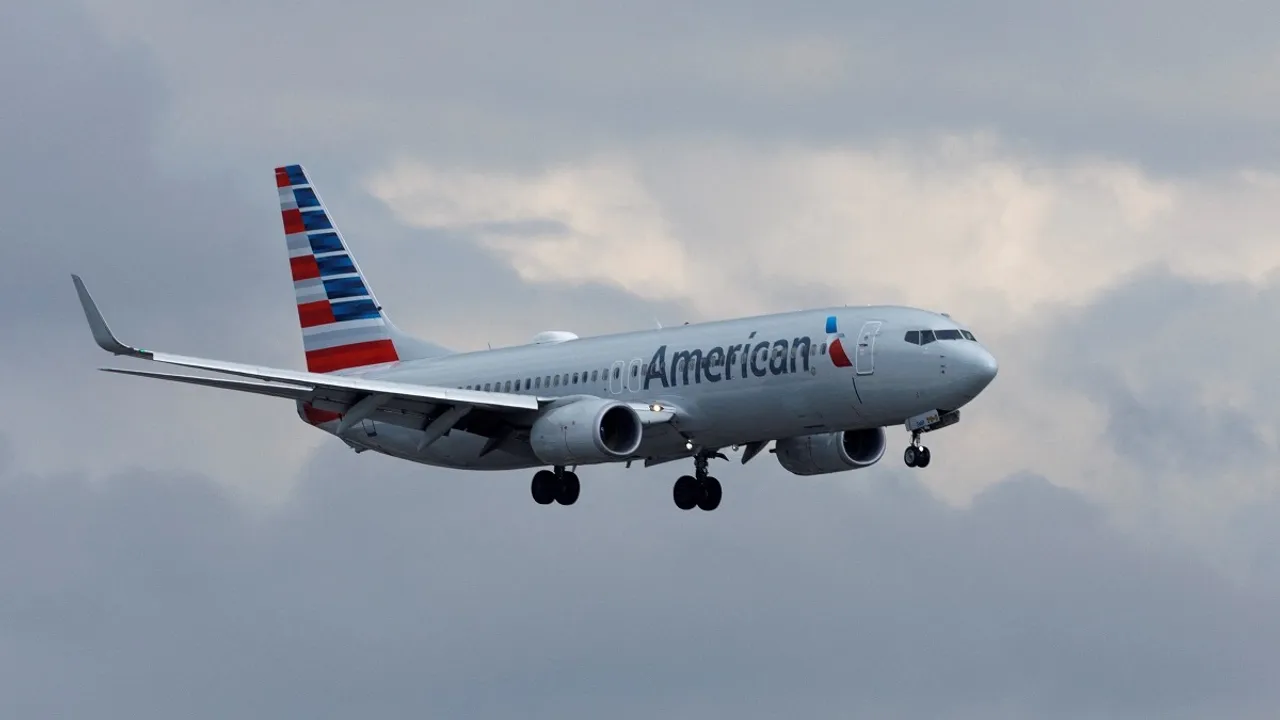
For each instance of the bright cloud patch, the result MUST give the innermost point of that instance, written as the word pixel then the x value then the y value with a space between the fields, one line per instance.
pixel 961 223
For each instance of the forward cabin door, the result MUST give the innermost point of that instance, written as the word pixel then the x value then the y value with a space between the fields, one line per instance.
pixel 864 361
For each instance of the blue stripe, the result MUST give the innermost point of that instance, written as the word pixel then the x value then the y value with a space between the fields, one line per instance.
pixel 316 220
pixel 306 197
pixel 831 325
pixel 335 265
pixel 296 176
pixel 344 288
pixel 354 310
pixel 325 242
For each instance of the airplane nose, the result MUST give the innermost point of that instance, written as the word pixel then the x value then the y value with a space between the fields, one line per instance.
pixel 983 370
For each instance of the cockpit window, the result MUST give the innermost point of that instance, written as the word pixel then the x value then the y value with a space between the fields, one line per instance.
pixel 969 336
pixel 948 334
pixel 926 337
pixel 913 337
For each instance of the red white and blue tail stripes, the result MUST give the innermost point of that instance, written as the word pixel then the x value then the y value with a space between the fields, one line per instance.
pixel 343 327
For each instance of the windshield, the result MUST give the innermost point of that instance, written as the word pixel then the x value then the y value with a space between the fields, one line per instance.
pixel 924 337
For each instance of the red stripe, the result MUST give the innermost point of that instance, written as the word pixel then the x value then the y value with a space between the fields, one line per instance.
pixel 351 356
pixel 315 417
pixel 304 267
pixel 838 355
pixel 292 222
pixel 282 178
pixel 315 313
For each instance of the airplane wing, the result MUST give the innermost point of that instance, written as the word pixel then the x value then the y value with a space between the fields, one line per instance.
pixel 353 398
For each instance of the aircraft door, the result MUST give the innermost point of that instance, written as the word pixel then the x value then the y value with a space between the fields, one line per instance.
pixel 865 360
pixel 633 375
pixel 615 376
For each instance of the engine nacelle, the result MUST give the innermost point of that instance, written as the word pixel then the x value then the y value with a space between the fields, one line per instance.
pixel 586 431
pixel 831 452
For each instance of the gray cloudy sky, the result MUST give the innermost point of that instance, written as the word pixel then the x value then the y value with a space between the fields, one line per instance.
pixel 1092 186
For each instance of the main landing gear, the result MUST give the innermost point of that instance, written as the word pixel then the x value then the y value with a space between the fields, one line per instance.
pixel 700 489
pixel 916 455
pixel 559 486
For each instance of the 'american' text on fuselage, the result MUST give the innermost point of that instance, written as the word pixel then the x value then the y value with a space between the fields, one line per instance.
pixel 778 357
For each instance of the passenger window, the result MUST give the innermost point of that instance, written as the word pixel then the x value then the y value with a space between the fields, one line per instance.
pixel 537 382
pixel 528 383
pixel 557 381
pixel 508 388
pixel 594 374
pixel 926 337
pixel 822 349
pixel 566 378
pixel 486 387
pixel 913 337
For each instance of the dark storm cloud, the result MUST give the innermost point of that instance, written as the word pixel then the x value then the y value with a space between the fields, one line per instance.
pixel 1174 85
pixel 81 192
pixel 389 590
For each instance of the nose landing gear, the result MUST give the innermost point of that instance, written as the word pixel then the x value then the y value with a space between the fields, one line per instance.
pixel 916 455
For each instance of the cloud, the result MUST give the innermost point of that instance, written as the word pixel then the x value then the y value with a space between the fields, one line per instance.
pixel 968 224
pixel 387 589
pixel 497 79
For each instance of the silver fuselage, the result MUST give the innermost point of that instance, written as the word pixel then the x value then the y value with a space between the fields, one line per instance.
pixel 729 382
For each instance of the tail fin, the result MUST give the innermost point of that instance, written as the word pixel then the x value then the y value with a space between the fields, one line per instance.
pixel 343 325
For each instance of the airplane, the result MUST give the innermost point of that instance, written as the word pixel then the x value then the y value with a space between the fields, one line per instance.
pixel 822 384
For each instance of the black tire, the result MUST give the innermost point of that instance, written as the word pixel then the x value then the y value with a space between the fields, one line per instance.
pixel 711 493
pixel 686 492
pixel 570 488
pixel 923 460
pixel 910 456
pixel 544 487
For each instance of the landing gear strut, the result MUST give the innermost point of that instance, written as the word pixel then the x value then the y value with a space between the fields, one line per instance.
pixel 700 489
pixel 916 455
pixel 559 486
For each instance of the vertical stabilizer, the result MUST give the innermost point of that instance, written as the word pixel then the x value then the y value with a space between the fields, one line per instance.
pixel 344 327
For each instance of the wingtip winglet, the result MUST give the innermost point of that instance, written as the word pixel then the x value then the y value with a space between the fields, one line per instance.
pixel 98 325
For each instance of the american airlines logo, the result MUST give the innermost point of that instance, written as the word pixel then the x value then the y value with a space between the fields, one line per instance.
pixel 838 356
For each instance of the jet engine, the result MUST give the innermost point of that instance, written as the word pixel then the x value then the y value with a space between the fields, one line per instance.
pixel 586 431
pixel 831 452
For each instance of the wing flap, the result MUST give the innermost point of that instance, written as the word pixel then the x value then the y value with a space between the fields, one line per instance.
pixel 293 392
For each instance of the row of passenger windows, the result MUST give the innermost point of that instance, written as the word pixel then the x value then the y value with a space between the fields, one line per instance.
pixel 924 337
pixel 553 381
pixel 550 381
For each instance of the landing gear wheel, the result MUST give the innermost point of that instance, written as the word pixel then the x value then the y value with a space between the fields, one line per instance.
pixel 686 492
pixel 545 487
pixel 710 494
pixel 922 458
pixel 911 456
pixel 570 488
